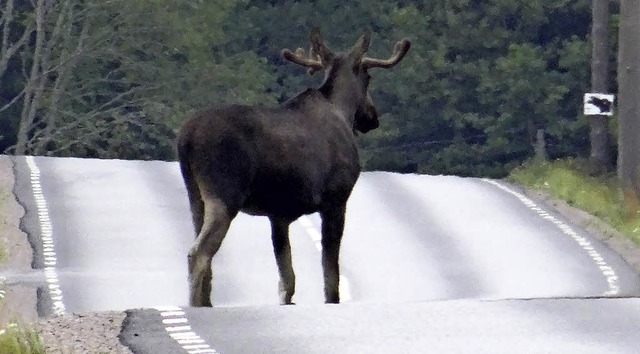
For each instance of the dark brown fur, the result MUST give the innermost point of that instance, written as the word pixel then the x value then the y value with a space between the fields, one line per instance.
pixel 281 162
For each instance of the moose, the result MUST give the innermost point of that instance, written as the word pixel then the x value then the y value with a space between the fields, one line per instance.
pixel 281 162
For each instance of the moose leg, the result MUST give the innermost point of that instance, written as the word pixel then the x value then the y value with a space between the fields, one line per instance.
pixel 193 191
pixel 197 213
pixel 332 228
pixel 282 251
pixel 215 224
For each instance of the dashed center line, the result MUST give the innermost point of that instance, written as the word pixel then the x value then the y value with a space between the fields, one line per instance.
pixel 316 237
pixel 606 270
pixel 46 232
pixel 175 323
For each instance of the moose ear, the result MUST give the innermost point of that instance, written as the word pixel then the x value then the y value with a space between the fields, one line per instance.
pixel 361 46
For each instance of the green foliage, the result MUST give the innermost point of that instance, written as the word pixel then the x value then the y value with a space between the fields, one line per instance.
pixel 17 340
pixel 143 67
pixel 569 180
pixel 481 78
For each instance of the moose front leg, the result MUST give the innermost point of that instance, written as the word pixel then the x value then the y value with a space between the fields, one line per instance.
pixel 332 228
pixel 282 251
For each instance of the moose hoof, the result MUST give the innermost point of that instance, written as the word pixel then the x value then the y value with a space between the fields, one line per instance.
pixel 286 301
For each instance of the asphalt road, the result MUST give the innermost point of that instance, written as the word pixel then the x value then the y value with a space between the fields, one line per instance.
pixel 431 262
pixel 457 326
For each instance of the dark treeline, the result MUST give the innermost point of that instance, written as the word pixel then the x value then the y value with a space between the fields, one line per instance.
pixel 114 79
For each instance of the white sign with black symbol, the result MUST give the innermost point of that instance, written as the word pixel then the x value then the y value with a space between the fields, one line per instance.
pixel 598 104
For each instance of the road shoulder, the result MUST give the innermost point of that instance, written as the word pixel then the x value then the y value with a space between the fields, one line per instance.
pixel 19 302
pixel 618 242
pixel 97 332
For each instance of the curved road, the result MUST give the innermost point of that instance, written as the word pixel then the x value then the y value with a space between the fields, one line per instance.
pixel 114 235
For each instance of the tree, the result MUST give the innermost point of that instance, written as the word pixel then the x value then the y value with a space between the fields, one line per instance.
pixel 10 46
pixel 600 158
pixel 15 32
pixel 114 79
pixel 629 104
pixel 480 81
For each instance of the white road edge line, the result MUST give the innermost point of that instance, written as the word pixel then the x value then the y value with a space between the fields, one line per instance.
pixel 316 237
pixel 176 324
pixel 606 270
pixel 46 232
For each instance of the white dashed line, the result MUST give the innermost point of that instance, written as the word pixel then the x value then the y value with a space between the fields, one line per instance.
pixel 46 231
pixel 316 237
pixel 606 270
pixel 176 325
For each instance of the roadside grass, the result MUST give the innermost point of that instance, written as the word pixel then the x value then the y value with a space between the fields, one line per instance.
pixel 17 339
pixel 569 180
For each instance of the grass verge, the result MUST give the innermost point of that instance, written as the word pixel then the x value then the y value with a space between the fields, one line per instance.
pixel 16 339
pixel 568 180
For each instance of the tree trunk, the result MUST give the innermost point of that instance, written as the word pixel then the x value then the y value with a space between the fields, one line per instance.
pixel 30 95
pixel 8 47
pixel 540 147
pixel 600 157
pixel 68 52
pixel 629 104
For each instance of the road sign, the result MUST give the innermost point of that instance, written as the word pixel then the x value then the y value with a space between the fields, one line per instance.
pixel 598 104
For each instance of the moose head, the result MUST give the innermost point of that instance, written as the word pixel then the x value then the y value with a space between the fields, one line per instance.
pixel 347 77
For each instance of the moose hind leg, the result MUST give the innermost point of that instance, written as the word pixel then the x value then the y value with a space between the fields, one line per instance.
pixel 282 251
pixel 197 213
pixel 215 224
pixel 332 228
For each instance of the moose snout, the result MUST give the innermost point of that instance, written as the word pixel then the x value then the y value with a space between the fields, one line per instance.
pixel 366 119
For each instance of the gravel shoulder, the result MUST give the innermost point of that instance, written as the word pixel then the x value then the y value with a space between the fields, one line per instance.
pixel 98 332
pixel 19 302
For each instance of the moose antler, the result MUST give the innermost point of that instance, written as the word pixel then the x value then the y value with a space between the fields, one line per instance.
pixel 299 58
pixel 319 54
pixel 399 50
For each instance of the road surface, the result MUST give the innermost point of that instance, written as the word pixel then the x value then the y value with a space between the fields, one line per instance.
pixel 435 262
